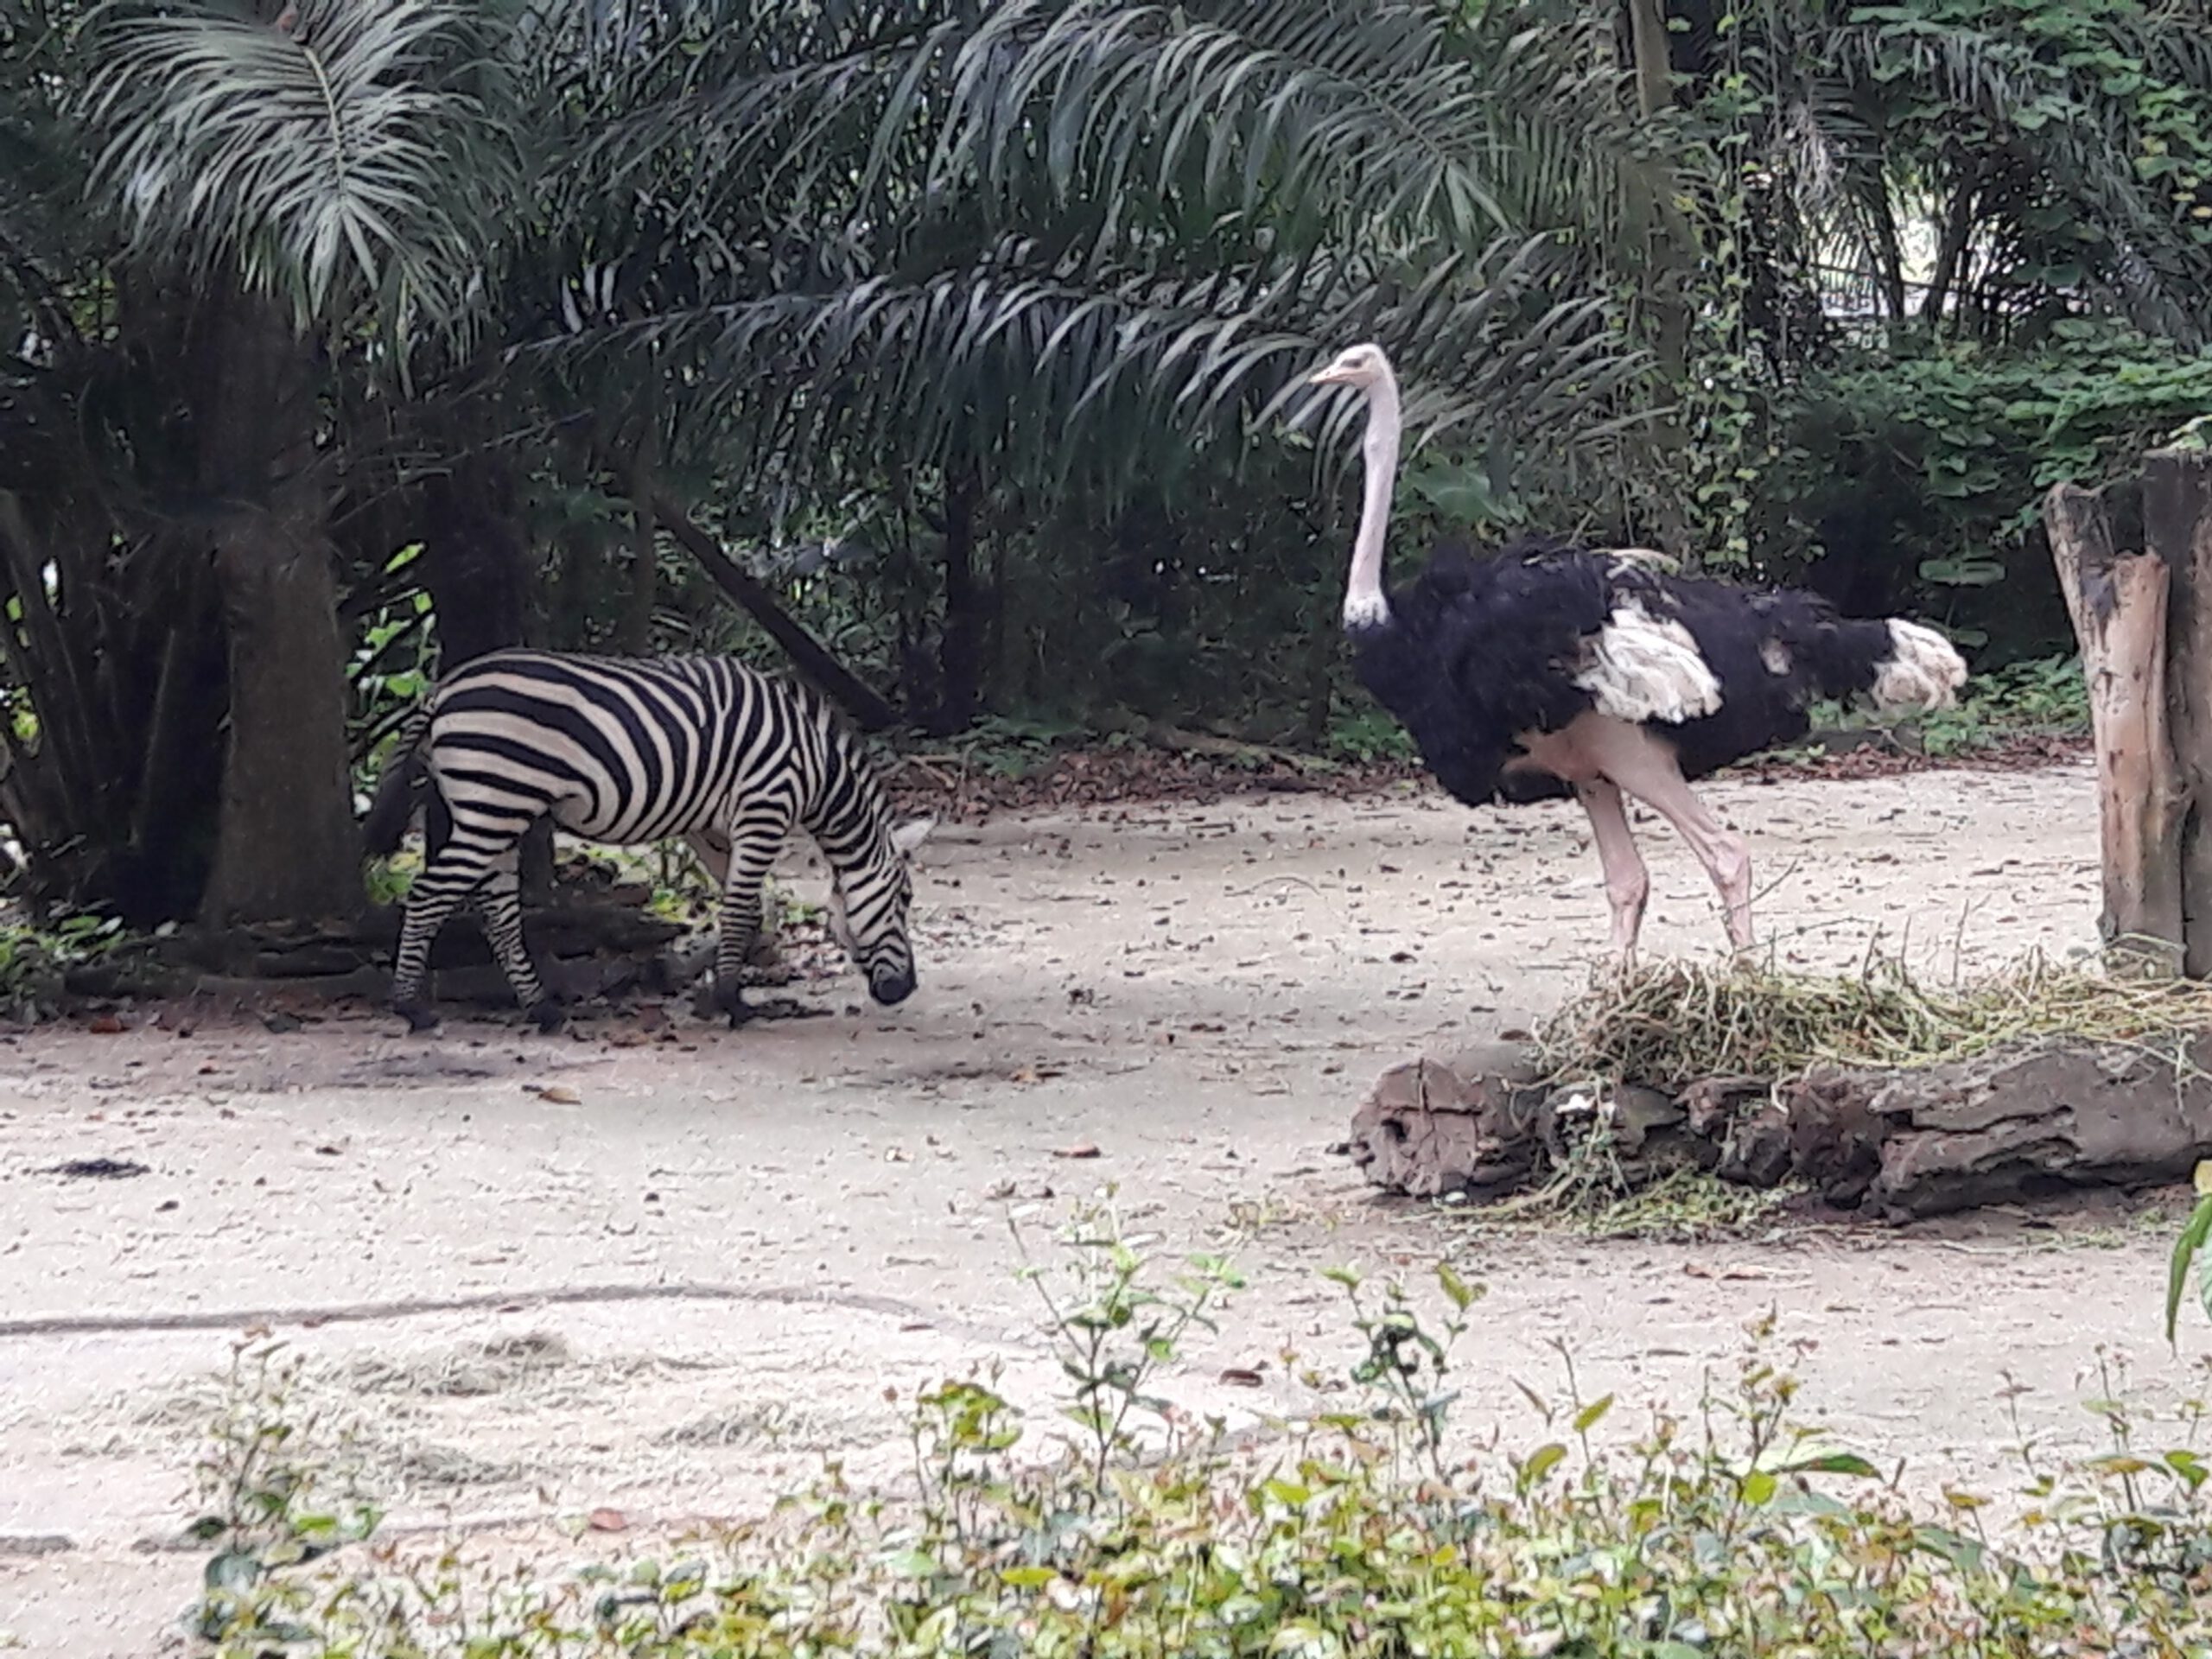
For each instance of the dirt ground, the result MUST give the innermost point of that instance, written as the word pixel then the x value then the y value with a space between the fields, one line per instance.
pixel 543 1275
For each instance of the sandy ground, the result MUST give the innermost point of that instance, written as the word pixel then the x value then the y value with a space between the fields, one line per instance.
pixel 675 1282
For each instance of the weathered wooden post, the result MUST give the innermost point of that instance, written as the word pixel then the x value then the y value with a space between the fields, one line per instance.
pixel 2119 599
pixel 2178 532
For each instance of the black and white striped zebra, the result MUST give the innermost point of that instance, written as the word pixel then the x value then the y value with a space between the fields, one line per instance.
pixel 624 750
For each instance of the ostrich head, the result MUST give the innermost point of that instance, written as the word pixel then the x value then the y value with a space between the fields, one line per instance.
pixel 1364 366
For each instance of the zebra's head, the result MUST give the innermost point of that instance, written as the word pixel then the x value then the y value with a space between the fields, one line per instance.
pixel 867 913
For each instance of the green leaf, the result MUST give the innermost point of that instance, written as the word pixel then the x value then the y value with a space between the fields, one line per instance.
pixel 2191 1241
pixel 1463 1296
pixel 234 1569
pixel 911 1563
pixel 1541 1462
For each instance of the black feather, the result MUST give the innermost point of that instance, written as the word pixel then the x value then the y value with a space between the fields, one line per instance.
pixel 1479 650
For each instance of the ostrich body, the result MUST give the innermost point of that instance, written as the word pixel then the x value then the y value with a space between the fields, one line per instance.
pixel 1550 670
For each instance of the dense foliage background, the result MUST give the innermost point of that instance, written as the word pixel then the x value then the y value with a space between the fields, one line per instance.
pixel 341 338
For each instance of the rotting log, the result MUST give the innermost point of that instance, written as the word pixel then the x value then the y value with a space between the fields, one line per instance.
pixel 2029 1121
pixel 2178 532
pixel 2119 603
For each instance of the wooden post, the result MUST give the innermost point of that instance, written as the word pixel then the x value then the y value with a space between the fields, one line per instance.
pixel 2119 604
pixel 2178 532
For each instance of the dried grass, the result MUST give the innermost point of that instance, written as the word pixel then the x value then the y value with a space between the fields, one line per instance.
pixel 1667 1025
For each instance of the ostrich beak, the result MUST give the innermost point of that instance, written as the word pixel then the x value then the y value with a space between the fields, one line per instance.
pixel 1334 375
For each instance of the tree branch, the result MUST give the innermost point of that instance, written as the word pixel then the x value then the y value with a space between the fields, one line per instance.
pixel 865 704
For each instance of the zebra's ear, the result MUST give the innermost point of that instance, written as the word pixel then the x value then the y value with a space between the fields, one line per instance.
pixel 910 835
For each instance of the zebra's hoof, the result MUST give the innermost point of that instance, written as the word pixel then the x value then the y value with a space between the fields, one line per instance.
pixel 419 1019
pixel 718 997
pixel 546 1015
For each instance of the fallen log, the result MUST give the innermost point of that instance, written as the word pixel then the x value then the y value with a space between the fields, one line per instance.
pixel 559 930
pixel 2025 1122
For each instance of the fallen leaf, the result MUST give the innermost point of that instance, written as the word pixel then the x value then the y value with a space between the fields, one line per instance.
pixel 1243 1376
pixel 610 1521
pixel 1081 1149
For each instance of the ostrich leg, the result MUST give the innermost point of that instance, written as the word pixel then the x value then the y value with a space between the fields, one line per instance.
pixel 1628 884
pixel 1632 758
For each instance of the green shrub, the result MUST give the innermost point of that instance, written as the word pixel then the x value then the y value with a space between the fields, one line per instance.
pixel 1920 473
pixel 36 958
pixel 1356 1529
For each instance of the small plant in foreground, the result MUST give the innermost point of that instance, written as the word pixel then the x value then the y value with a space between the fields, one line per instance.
pixel 2192 1248
pixel 1361 1527
pixel 267 1508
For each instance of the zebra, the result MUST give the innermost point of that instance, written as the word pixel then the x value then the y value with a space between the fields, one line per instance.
pixel 626 749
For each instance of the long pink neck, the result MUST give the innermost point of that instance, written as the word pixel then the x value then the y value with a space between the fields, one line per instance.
pixel 1364 605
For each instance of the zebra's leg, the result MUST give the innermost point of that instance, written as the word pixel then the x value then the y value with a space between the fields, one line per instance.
pixel 426 913
pixel 454 866
pixel 499 902
pixel 753 843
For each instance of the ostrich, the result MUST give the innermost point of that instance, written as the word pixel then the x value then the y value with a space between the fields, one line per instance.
pixel 1548 671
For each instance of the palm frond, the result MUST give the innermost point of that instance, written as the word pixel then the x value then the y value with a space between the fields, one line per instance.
pixel 350 156
pixel 1071 378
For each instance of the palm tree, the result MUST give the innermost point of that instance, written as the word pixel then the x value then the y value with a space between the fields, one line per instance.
pixel 1035 250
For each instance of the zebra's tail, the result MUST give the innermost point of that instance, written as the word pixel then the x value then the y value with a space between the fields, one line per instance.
pixel 393 804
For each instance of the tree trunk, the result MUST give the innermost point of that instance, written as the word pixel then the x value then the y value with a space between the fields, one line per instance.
pixel 476 565
pixel 476 561
pixel 960 648
pixel 2177 535
pixel 287 848
pixel 1958 228
pixel 635 635
pixel 1670 247
pixel 1654 67
pixel 2119 604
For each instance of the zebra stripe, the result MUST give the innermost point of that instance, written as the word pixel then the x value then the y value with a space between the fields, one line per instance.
pixel 624 750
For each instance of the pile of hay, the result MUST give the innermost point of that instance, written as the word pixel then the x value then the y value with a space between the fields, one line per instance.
pixel 1671 1024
